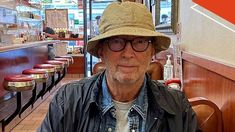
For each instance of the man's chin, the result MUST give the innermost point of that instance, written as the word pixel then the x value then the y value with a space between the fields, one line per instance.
pixel 127 79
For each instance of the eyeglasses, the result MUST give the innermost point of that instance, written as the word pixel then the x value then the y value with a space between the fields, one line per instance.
pixel 139 44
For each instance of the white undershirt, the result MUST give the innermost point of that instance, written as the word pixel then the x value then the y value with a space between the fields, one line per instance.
pixel 122 110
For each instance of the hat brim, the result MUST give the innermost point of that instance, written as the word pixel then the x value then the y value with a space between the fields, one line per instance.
pixel 162 42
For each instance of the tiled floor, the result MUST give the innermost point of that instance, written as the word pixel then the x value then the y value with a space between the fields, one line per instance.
pixel 32 121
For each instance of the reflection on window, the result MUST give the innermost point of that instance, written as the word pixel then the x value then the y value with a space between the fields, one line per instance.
pixel 165 11
pixel 166 15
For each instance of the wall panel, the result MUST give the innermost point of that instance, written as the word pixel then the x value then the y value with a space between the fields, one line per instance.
pixel 214 81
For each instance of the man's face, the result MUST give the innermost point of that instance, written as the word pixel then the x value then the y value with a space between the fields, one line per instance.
pixel 126 65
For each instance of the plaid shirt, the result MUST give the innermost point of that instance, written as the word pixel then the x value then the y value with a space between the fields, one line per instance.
pixel 136 115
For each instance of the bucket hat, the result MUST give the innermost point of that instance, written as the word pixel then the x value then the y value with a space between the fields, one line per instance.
pixel 127 18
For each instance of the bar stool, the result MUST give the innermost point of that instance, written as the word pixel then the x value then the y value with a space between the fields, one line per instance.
pixel 40 76
pixel 68 57
pixel 59 69
pixel 174 83
pixel 65 60
pixel 51 70
pixel 66 64
pixel 17 83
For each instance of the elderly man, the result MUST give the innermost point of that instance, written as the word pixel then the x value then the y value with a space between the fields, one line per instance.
pixel 122 98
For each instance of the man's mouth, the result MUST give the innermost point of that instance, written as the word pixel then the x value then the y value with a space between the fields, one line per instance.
pixel 127 68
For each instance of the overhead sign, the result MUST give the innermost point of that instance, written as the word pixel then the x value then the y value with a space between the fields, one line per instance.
pixel 223 8
pixel 57 18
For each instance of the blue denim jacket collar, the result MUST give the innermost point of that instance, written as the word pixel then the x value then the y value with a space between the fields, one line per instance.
pixel 105 99
pixel 140 104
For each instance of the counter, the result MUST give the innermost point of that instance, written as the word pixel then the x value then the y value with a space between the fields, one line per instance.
pixel 4 48
pixel 15 58
pixel 79 62
pixel 78 66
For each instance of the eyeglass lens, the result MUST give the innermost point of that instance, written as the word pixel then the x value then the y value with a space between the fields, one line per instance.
pixel 138 44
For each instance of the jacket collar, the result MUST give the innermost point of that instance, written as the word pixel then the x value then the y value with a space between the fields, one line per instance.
pixel 95 90
pixel 158 91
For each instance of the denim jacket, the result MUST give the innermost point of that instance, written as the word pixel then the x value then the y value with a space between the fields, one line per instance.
pixel 76 108
pixel 136 115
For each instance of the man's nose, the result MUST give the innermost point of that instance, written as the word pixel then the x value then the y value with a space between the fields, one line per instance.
pixel 128 50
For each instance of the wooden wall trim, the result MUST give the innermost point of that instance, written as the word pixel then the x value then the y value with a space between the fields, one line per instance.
pixel 217 67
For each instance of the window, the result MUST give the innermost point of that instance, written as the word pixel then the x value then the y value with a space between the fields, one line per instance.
pixel 165 13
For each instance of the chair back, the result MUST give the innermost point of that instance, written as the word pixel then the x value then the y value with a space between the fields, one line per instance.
pixel 155 70
pixel 208 114
pixel 98 67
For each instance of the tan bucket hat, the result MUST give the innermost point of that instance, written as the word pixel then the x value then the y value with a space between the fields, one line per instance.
pixel 127 18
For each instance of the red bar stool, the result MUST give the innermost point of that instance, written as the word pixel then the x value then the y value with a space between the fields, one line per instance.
pixel 68 57
pixel 17 83
pixel 174 83
pixel 59 68
pixel 40 76
pixel 65 60
pixel 51 70
pixel 59 64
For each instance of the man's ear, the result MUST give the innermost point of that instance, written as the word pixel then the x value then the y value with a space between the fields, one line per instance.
pixel 153 51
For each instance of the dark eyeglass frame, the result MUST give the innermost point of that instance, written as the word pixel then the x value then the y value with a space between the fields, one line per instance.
pixel 149 40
